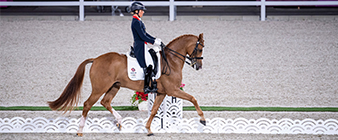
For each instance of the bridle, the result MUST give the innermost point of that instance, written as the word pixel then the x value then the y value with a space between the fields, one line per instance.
pixel 193 59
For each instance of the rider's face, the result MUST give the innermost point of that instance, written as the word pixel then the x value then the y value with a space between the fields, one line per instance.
pixel 141 13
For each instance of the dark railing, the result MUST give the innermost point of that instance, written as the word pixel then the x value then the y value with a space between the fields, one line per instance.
pixel 171 3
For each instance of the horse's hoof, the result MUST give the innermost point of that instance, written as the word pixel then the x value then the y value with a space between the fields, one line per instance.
pixel 79 134
pixel 151 134
pixel 119 126
pixel 203 122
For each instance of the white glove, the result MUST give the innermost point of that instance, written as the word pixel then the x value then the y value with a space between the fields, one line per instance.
pixel 157 42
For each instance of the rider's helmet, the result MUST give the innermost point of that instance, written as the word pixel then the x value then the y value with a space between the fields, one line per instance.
pixel 137 6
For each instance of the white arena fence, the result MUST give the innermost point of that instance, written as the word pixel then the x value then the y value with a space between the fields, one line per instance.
pixel 132 125
pixel 169 119
pixel 172 4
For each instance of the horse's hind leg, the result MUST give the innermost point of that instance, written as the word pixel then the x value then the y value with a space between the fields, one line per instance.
pixel 86 107
pixel 107 100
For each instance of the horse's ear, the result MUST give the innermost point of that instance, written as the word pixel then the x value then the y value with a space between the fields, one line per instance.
pixel 200 38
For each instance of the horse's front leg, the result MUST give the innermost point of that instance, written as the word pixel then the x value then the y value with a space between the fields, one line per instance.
pixel 183 95
pixel 158 100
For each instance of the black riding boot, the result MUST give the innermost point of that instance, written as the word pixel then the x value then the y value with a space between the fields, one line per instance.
pixel 147 80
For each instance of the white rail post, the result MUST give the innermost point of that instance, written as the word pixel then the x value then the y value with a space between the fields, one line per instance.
pixel 263 10
pixel 169 116
pixel 172 12
pixel 81 10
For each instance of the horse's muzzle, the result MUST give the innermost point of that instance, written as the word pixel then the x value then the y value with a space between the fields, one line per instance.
pixel 197 66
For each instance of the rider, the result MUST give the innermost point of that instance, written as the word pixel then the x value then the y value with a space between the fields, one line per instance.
pixel 141 39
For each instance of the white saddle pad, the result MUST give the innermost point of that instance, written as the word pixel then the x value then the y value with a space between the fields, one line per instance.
pixel 135 72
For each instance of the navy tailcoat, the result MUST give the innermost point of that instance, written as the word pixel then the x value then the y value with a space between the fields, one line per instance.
pixel 141 37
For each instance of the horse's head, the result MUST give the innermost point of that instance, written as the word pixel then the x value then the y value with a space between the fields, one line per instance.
pixel 184 45
pixel 196 51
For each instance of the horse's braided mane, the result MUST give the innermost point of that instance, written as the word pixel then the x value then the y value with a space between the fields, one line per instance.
pixel 177 38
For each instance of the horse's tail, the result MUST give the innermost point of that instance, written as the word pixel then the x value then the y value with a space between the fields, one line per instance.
pixel 71 94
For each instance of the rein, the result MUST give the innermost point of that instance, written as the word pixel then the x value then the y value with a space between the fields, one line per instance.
pixel 178 55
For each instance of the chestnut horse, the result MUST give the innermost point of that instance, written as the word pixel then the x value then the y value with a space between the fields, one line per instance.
pixel 109 72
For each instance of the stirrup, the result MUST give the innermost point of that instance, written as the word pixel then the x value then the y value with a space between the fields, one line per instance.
pixel 153 87
pixel 148 90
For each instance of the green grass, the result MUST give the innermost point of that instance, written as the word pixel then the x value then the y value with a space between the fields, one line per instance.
pixel 187 108
pixel 45 108
pixel 277 109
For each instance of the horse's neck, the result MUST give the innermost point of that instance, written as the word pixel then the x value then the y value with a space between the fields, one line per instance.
pixel 180 46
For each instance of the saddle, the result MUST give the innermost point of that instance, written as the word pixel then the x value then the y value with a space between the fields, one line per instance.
pixel 135 72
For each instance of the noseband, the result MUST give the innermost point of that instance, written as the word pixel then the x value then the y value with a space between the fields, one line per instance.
pixel 191 57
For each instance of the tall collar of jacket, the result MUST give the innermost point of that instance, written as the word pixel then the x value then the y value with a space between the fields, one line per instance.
pixel 137 18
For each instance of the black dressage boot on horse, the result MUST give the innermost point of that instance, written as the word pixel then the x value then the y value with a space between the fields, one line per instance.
pixel 147 79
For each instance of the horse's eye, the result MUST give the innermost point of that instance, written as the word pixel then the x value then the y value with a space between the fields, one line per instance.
pixel 200 51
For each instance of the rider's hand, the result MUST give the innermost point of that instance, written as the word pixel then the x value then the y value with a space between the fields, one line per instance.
pixel 157 42
pixel 155 48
